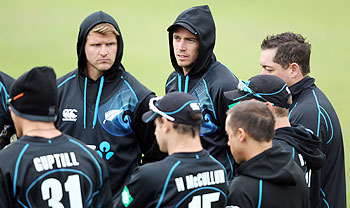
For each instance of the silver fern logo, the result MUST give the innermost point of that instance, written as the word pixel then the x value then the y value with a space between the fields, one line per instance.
pixel 110 115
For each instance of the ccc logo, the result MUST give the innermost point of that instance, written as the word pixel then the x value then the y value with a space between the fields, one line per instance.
pixel 69 115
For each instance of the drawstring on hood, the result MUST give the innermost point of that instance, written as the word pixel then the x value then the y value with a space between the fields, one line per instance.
pixel 186 83
pixel 89 86
pixel 98 101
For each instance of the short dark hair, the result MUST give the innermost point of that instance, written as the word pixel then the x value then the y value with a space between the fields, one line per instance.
pixel 189 129
pixel 291 48
pixel 254 117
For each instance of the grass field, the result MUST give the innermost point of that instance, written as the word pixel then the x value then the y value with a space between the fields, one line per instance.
pixel 40 32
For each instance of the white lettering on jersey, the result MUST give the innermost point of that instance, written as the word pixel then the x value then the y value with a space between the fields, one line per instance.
pixel 62 160
pixel 201 179
pixel 69 115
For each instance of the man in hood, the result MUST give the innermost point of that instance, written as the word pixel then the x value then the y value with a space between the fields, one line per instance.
pixel 303 145
pixel 102 105
pixel 6 124
pixel 267 175
pixel 287 55
pixel 197 72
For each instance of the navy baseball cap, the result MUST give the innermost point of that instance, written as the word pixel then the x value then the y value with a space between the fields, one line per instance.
pixel 266 88
pixel 34 96
pixel 177 107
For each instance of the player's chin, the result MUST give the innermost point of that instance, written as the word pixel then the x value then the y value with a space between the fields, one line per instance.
pixel 104 67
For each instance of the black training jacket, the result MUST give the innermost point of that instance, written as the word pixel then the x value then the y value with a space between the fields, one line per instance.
pixel 106 113
pixel 57 172
pixel 207 81
pixel 312 109
pixel 270 179
pixel 185 180
pixel 304 147
pixel 5 86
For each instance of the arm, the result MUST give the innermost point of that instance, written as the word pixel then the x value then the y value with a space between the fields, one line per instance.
pixel 5 192
pixel 144 134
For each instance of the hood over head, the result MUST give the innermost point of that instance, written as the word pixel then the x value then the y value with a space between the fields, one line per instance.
pixel 199 21
pixel 306 143
pixel 89 22
pixel 273 165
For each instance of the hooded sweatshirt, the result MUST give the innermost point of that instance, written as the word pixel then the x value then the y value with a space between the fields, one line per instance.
pixel 5 85
pixel 312 109
pixel 106 113
pixel 206 81
pixel 270 179
pixel 304 147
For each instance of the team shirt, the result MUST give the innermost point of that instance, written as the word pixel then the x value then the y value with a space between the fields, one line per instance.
pixel 58 172
pixel 181 180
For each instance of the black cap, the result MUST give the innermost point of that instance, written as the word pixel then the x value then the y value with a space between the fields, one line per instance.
pixel 177 107
pixel 182 24
pixel 266 88
pixel 33 96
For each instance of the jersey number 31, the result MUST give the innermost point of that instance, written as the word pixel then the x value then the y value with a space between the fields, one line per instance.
pixel 72 186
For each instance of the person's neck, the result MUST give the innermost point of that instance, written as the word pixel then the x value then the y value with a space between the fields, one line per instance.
pixel 296 80
pixel 257 149
pixel 40 129
pixel 184 143
pixel 186 70
pixel 281 122
pixel 92 73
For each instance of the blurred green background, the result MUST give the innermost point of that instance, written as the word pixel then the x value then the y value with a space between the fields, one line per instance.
pixel 44 32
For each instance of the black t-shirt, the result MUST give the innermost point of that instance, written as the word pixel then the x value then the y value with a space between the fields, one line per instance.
pixel 181 180
pixel 58 172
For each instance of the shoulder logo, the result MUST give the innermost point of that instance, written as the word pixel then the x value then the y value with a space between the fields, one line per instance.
pixel 69 115
pixel 126 197
pixel 110 115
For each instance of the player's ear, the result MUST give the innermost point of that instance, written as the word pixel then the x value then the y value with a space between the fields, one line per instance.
pixel 269 105
pixel 166 124
pixel 295 70
pixel 241 135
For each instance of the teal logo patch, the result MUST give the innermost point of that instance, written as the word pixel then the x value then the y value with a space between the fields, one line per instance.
pixel 126 197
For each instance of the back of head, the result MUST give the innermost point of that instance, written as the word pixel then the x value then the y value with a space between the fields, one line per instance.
pixel 192 19
pixel 291 48
pixel 34 96
pixel 253 116
pixel 97 22
pixel 180 108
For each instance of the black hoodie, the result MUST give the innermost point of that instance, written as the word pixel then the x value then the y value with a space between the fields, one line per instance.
pixel 206 81
pixel 304 147
pixel 106 113
pixel 5 85
pixel 270 179
pixel 312 109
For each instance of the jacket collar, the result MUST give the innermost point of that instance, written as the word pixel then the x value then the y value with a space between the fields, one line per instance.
pixel 305 83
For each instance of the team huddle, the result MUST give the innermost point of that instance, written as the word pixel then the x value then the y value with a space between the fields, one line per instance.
pixel 97 137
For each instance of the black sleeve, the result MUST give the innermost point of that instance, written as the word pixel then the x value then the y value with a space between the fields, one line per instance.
pixel 104 198
pixel 5 195
pixel 145 134
pixel 139 192
pixel 238 198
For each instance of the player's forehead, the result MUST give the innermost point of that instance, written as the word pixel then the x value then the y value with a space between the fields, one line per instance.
pixel 267 56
